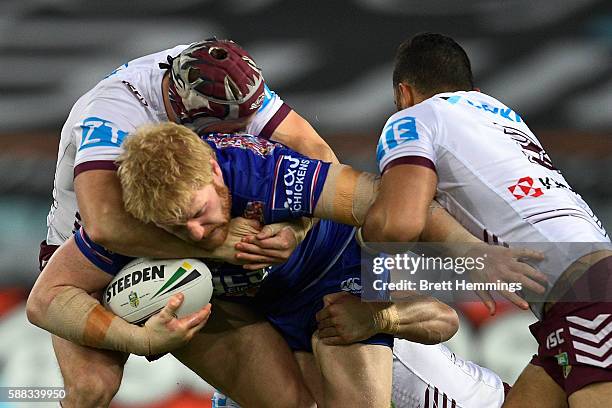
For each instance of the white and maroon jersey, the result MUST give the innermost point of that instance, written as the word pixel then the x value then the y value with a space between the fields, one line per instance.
pixel 101 119
pixel 494 176
pixel 431 376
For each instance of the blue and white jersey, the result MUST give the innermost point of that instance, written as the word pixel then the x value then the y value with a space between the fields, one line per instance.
pixel 270 183
pixel 267 181
pixel 100 120
pixel 494 176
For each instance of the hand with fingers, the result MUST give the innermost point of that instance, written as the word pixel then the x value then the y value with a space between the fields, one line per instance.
pixel 274 244
pixel 239 228
pixel 344 319
pixel 508 265
pixel 166 332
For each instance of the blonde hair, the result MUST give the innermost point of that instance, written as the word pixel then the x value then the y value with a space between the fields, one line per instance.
pixel 161 167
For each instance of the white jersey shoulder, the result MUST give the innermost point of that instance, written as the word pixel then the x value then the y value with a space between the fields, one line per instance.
pixel 494 175
pixel 128 97
pixel 100 120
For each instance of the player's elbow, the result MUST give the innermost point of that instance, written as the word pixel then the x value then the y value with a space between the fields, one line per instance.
pixel 404 229
pixel 100 234
pixel 323 152
pixel 107 233
pixel 316 149
pixel 35 306
pixel 103 222
pixel 384 224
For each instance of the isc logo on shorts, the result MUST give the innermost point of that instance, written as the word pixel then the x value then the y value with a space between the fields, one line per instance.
pixel 554 339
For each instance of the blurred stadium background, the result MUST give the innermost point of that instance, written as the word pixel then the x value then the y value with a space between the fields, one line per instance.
pixel 551 60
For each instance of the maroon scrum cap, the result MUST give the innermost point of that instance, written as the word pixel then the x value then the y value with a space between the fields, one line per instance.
pixel 214 80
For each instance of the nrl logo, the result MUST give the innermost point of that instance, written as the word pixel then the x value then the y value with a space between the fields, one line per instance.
pixel 563 361
pixel 133 297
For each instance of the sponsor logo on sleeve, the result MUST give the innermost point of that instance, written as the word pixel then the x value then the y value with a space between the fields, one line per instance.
pixel 395 133
pixel 294 183
pixel 97 132
pixel 298 182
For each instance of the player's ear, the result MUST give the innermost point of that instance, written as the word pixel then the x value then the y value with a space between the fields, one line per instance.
pixel 404 97
pixel 216 171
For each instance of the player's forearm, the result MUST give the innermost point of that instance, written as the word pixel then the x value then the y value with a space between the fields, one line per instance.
pixel 100 200
pixel 422 320
pixel 128 236
pixel 400 210
pixel 74 315
pixel 347 195
pixel 442 227
pixel 296 133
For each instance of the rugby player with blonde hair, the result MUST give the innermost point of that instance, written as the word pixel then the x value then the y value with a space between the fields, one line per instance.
pixel 210 85
pixel 60 301
pixel 200 173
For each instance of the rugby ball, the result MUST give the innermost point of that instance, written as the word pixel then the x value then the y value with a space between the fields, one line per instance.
pixel 143 287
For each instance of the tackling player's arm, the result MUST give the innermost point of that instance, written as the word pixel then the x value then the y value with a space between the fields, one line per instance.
pixel 60 302
pixel 399 213
pixel 502 264
pixel 398 205
pixel 399 208
pixel 295 132
pixel 344 319
pixel 109 225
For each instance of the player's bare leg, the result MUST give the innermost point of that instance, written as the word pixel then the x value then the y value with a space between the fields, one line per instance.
pixel 245 358
pixel 593 395
pixel 311 373
pixel 535 388
pixel 357 375
pixel 91 376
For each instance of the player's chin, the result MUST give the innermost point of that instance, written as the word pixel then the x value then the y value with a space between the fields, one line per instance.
pixel 216 238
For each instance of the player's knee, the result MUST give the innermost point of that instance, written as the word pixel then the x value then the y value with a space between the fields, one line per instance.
pixel 90 389
pixel 294 395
